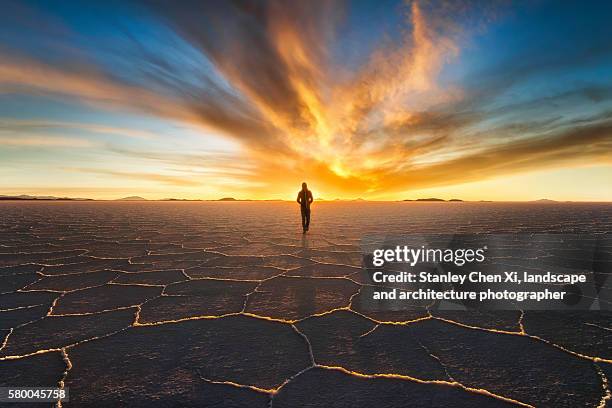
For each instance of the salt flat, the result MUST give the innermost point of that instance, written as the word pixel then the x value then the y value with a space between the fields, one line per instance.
pixel 228 304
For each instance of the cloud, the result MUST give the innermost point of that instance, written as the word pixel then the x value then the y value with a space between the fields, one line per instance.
pixel 36 141
pixel 264 74
pixel 577 145
pixel 165 179
pixel 19 74
pixel 277 57
pixel 210 163
pixel 29 125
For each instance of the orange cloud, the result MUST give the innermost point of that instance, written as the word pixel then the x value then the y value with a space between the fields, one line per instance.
pixel 385 126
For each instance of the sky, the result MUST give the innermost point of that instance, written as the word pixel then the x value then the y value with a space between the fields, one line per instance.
pixel 384 100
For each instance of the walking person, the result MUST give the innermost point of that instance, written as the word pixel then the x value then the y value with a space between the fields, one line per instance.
pixel 304 199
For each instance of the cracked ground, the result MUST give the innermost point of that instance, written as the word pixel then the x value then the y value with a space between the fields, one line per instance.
pixel 230 305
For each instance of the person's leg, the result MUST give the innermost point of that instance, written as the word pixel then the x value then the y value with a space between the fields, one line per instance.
pixel 307 219
pixel 303 219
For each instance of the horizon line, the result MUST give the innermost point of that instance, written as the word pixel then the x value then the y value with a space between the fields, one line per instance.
pixel 27 197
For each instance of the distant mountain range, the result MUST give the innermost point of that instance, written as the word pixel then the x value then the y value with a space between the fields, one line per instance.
pixel 42 198
pixel 26 197
pixel 243 199
pixel 435 199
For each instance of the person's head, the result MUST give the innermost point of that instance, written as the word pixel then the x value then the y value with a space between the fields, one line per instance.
pixel 304 186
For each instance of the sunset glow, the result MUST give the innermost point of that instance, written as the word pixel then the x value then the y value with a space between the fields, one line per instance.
pixel 388 100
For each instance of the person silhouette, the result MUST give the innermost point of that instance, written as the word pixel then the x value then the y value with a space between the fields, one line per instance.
pixel 304 199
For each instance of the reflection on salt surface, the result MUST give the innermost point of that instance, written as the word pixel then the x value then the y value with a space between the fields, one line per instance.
pixel 161 301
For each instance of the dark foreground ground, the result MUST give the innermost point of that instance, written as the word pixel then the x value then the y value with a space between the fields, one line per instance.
pixel 229 305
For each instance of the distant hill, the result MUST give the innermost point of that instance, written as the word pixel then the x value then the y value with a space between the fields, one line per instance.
pixel 436 199
pixel 227 199
pixel 41 198
pixel 132 198
pixel 427 199
pixel 544 200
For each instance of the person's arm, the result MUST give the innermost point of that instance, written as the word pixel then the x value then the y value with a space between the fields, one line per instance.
pixel 299 198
